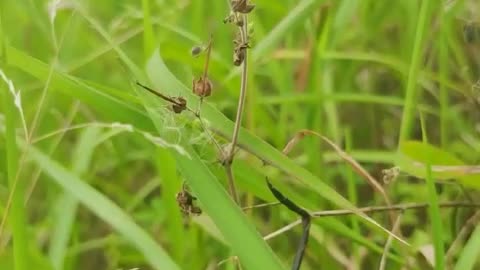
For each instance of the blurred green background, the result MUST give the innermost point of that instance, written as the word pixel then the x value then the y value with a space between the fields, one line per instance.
pixel 99 188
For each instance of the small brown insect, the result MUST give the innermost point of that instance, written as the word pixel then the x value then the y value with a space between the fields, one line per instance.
pixel 178 104
pixel 185 201
pixel 242 6
pixel 239 52
pixel 196 51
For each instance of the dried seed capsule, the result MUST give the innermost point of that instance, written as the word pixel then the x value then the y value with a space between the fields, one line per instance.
pixel 201 87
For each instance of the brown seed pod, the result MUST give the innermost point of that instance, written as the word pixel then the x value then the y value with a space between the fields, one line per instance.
pixel 202 87
pixel 242 6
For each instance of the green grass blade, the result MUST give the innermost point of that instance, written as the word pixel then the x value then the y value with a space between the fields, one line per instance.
pixel 434 209
pixel 471 252
pixel 171 184
pixel 411 90
pixel 245 241
pixel 67 204
pixel 106 210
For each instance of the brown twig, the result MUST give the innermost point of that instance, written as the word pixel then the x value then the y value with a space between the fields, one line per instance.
pixel 371 209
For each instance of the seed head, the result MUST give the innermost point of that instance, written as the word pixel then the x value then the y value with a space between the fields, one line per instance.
pixel 202 87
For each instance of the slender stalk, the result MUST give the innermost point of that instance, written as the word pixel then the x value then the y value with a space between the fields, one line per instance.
pixel 383 260
pixel 228 159
pixel 243 91
pixel 371 209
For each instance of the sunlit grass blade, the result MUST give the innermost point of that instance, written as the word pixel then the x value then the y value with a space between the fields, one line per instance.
pixel 16 185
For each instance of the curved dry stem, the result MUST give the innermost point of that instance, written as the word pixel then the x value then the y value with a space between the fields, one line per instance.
pixel 228 159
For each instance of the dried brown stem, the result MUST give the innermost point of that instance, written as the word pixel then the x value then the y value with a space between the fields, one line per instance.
pixel 228 158
pixel 371 209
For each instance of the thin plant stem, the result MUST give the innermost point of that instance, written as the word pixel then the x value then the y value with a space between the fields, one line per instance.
pixel 388 244
pixel 370 209
pixel 228 159
pixel 260 205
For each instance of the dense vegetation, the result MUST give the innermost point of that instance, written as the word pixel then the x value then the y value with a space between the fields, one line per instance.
pixel 377 102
